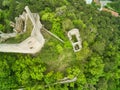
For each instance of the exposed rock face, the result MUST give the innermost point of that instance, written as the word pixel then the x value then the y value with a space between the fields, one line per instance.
pixel 20 23
pixel 19 27
pixel 34 42
pixel 4 36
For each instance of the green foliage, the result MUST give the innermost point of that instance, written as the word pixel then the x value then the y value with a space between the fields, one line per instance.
pixel 6 3
pixel 94 68
pixel 84 53
pixel 115 5
pixel 28 70
pixel 1 27
pixel 59 48
pixel 98 47
pixel 79 24
pixel 96 65
pixel 67 24
pixel 48 16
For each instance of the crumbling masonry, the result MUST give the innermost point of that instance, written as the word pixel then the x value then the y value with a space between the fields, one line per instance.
pixel 32 44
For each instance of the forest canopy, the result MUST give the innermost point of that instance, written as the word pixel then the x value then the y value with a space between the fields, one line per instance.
pixel 115 5
pixel 96 66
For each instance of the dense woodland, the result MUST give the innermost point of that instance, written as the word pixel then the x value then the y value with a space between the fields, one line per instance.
pixel 115 5
pixel 96 66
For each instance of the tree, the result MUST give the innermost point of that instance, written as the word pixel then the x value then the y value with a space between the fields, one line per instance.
pixel 28 71
pixel 94 69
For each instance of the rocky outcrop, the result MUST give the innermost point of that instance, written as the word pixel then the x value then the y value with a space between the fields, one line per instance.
pixel 19 27
pixel 32 44
pixel 4 36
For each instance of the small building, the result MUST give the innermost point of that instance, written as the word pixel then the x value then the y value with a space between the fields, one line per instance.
pixel 74 37
pixel 88 1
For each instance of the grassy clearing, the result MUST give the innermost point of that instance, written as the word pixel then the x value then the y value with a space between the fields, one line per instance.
pixel 56 61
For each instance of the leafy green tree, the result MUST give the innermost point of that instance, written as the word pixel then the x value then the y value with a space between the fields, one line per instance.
pixel 28 70
pixel 102 84
pixel 67 24
pixel 94 69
